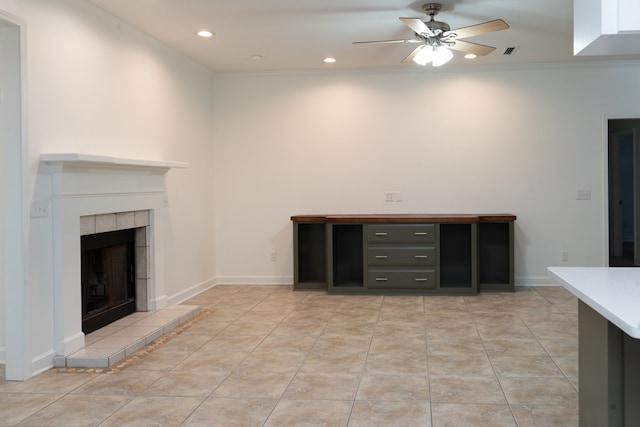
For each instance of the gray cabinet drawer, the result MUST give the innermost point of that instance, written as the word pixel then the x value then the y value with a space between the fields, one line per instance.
pixel 401 278
pixel 410 256
pixel 401 233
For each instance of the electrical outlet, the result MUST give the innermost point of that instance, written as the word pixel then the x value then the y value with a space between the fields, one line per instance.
pixel 389 196
pixel 274 256
pixel 565 256
pixel 39 209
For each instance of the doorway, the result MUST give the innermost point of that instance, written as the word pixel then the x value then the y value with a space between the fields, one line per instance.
pixel 624 192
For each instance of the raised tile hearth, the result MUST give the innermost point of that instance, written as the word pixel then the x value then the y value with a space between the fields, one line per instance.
pixel 109 345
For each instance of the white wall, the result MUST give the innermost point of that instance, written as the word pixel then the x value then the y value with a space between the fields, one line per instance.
pixel 518 140
pixel 96 86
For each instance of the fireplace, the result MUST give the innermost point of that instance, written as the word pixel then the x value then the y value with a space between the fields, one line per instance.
pixel 96 194
pixel 107 278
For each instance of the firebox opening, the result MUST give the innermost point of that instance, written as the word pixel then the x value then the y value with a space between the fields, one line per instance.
pixel 107 278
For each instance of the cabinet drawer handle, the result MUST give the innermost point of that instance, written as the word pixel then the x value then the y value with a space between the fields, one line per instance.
pixel 421 279
pixel 381 234
pixel 381 257
pixel 420 234
pixel 421 257
pixel 381 279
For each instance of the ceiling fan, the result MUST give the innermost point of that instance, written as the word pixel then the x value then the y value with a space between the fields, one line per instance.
pixel 436 38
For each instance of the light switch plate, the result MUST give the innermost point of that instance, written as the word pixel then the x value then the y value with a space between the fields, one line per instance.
pixel 39 209
pixel 583 195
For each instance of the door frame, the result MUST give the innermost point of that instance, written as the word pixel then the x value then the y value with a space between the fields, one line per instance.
pixel 608 138
pixel 13 221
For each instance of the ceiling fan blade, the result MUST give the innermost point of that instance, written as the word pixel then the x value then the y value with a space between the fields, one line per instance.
pixel 417 26
pixel 476 30
pixel 468 47
pixel 409 58
pixel 389 41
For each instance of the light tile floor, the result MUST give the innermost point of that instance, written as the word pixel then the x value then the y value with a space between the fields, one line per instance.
pixel 269 356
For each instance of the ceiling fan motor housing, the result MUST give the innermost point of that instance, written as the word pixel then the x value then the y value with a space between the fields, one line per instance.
pixel 432 10
pixel 437 27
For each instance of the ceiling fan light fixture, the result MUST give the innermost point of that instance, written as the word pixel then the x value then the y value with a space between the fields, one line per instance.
pixel 471 56
pixel 438 39
pixel 441 55
pixel 424 55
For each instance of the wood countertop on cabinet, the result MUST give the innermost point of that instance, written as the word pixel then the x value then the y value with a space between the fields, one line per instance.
pixel 404 218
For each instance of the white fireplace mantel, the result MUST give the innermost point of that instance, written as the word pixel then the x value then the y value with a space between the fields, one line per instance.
pixel 85 184
pixel 108 161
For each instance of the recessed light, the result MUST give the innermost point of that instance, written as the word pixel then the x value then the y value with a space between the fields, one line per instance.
pixel 471 56
pixel 329 60
pixel 205 33
pixel 256 57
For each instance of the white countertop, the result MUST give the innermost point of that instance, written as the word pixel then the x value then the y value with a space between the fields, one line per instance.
pixel 614 292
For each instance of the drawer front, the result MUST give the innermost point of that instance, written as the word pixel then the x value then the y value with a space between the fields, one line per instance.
pixel 401 233
pixel 401 278
pixel 410 256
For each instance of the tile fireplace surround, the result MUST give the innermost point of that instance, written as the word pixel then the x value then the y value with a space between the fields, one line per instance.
pixel 91 194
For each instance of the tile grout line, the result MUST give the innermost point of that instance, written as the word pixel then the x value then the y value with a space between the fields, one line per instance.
pixel 490 359
pixel 364 367
pixel 284 391
pixel 209 396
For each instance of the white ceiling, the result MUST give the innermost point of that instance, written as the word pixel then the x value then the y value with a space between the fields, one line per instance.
pixel 298 34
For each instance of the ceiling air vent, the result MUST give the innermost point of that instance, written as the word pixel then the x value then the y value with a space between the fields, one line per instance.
pixel 510 50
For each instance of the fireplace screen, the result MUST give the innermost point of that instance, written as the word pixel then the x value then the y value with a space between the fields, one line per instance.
pixel 108 278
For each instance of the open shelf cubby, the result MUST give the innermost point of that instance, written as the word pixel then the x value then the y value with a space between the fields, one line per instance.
pixel 311 256
pixel 348 255
pixel 495 246
pixel 456 256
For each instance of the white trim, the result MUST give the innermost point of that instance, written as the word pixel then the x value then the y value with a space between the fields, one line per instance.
pixel 575 62
pixel 14 228
pixel 108 161
pixel 42 362
pixel 70 344
pixel 534 281
pixel 157 303
pixel 288 280
pixel 254 280
pixel 191 292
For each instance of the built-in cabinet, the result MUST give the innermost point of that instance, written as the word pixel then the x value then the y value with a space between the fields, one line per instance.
pixel 403 254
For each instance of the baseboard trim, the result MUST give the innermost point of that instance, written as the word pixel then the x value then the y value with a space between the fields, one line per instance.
pixel 254 280
pixel 42 362
pixel 191 292
pixel 535 281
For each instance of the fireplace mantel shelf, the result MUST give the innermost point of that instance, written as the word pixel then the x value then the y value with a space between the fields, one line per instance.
pixel 108 161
